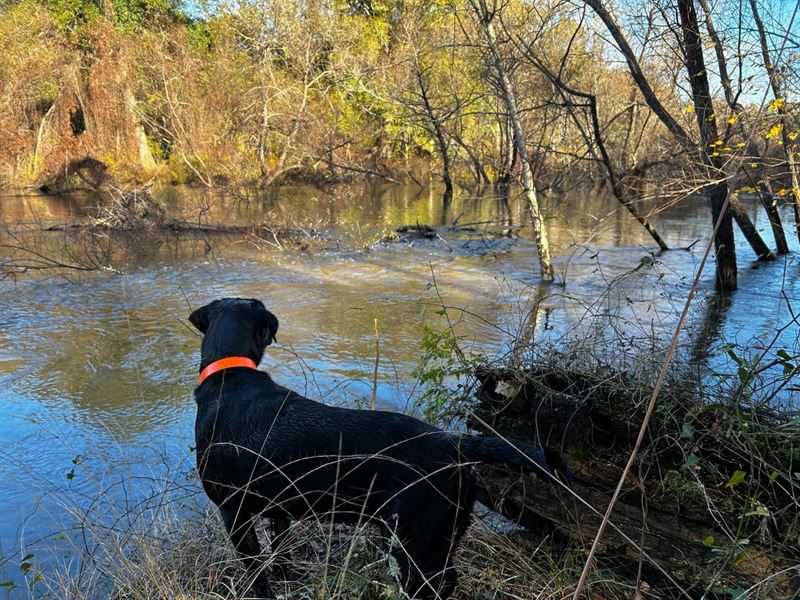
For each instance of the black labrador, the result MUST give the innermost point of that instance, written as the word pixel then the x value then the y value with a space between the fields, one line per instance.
pixel 265 451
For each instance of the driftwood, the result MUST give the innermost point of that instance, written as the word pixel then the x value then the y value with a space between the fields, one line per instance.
pixel 696 535
pixel 421 230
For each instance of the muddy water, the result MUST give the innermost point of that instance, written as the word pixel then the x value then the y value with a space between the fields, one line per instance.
pixel 97 370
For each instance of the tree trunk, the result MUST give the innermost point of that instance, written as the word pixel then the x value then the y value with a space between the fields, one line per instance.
pixel 438 130
pixel 724 243
pixel 706 124
pixel 508 155
pixel 485 18
pixel 146 159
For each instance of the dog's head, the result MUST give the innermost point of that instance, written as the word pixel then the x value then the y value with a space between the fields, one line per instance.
pixel 235 327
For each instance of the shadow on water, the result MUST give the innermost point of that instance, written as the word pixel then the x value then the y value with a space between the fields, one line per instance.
pixel 709 327
pixel 96 374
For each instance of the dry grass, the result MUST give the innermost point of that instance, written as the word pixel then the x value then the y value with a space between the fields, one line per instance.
pixel 175 553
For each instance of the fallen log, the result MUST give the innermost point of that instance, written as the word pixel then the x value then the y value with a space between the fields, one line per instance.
pixel 707 516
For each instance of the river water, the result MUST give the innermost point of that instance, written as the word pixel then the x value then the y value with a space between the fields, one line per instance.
pixel 97 369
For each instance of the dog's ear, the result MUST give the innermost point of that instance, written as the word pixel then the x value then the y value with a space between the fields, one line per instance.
pixel 199 318
pixel 266 322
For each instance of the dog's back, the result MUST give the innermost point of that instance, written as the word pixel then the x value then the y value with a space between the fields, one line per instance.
pixel 262 446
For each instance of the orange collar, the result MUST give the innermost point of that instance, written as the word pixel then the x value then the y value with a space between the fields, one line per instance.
pixel 225 363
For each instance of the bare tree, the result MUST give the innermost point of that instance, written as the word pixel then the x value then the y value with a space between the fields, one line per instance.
pixel 731 98
pixel 780 107
pixel 594 140
pixel 485 15
pixel 717 189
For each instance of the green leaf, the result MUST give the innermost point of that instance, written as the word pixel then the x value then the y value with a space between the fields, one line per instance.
pixel 691 461
pixel 737 478
pixel 25 566
pixel 8 584
pixel 773 476
pixel 735 357
pixel 739 559
pixel 743 373
pixel 709 540
pixel 687 431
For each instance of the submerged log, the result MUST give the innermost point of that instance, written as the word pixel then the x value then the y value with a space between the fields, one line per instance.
pixel 705 516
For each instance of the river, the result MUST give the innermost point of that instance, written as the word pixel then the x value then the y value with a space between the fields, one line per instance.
pixel 97 369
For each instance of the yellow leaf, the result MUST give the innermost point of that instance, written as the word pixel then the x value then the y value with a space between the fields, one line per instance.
pixel 776 129
pixel 792 135
pixel 782 192
pixel 715 154
pixel 776 104
pixel 741 145
pixel 689 109
pixel 732 119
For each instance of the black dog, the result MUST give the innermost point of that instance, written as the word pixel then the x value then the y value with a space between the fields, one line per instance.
pixel 265 451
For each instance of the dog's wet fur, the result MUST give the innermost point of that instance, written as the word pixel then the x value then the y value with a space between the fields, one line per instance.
pixel 265 451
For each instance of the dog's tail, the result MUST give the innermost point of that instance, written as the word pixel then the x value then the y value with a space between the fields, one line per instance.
pixel 532 460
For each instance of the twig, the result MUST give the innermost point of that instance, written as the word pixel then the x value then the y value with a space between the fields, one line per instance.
pixel 374 402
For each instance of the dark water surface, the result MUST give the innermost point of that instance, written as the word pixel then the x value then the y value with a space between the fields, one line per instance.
pixel 97 372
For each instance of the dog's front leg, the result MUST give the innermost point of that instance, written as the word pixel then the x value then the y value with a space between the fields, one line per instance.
pixel 241 529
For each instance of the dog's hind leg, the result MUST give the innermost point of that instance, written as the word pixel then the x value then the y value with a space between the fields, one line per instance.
pixel 424 553
pixel 281 563
pixel 425 539
pixel 241 529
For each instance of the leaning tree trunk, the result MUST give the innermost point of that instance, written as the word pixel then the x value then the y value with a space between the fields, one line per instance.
pixel 485 18
pixel 599 143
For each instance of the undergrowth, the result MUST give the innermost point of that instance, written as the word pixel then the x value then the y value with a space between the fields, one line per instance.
pixel 721 452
